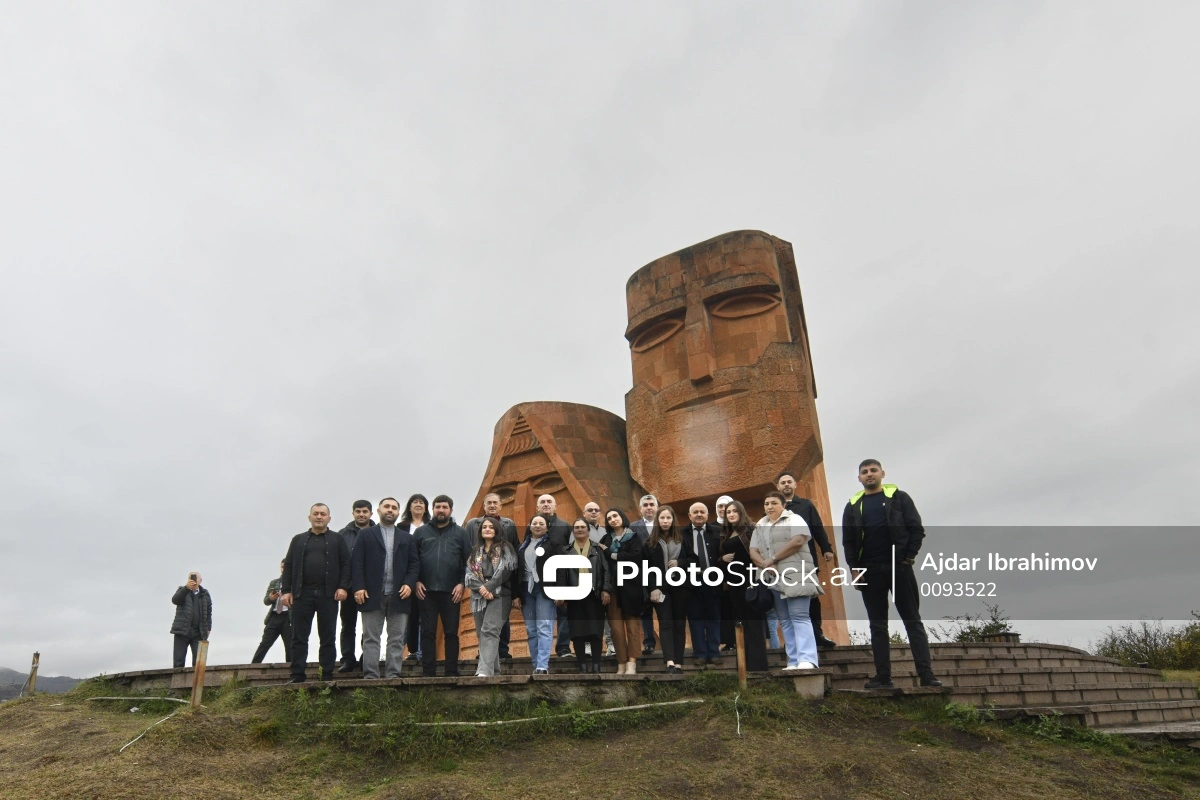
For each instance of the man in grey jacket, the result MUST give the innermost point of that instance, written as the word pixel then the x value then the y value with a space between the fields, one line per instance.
pixel 508 529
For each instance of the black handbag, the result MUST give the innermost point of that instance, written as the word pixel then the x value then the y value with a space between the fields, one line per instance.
pixel 760 598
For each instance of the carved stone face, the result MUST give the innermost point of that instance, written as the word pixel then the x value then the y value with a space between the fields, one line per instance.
pixel 723 390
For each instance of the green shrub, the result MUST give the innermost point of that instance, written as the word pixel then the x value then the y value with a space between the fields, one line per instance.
pixel 1149 642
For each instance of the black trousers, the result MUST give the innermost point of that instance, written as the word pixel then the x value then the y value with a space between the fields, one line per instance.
pixel 278 626
pixel 306 605
pixel 908 605
pixel 704 621
pixel 814 603
pixel 648 627
pixel 505 637
pixel 435 606
pixel 728 636
pixel 581 642
pixel 414 624
pixel 182 643
pixel 754 629
pixel 349 615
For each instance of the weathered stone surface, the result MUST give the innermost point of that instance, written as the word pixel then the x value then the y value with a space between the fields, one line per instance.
pixel 723 395
pixel 573 452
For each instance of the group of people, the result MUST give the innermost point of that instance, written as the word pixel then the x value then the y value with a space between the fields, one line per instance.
pixel 410 572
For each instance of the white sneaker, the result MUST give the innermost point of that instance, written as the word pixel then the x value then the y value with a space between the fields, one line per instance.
pixel 611 651
pixel 790 668
pixel 806 665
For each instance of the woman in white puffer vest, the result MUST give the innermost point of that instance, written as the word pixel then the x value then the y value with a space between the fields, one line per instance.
pixel 779 548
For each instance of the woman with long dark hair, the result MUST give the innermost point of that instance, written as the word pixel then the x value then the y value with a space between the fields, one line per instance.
pixel 670 602
pixel 628 596
pixel 489 569
pixel 586 615
pixel 416 514
pixel 735 554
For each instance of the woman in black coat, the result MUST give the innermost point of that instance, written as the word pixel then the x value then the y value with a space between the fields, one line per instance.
pixel 735 553
pixel 416 514
pixel 628 597
pixel 586 615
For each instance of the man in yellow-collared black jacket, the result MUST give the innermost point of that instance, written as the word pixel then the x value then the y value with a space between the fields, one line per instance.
pixel 882 533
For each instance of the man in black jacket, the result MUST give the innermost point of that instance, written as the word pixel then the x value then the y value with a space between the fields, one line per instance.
pixel 508 529
pixel 442 550
pixel 804 508
pixel 700 544
pixel 316 577
pixel 882 532
pixel 193 618
pixel 361 511
pixel 383 578
pixel 648 506
pixel 558 536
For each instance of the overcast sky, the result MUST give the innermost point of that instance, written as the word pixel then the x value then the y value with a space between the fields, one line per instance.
pixel 257 256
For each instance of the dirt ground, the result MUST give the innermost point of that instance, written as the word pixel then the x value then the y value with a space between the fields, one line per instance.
pixel 55 749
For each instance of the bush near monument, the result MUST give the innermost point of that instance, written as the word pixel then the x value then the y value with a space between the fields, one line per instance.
pixel 1148 642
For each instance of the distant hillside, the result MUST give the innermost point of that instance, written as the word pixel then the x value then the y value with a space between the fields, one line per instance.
pixel 11 682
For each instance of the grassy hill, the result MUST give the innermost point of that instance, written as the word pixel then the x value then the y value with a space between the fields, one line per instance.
pixel 11 682
pixel 271 743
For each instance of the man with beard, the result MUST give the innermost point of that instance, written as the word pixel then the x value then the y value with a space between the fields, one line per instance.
pixel 804 508
pixel 361 511
pixel 442 550
pixel 508 529
pixel 383 577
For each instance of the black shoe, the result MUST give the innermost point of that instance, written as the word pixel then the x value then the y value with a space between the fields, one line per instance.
pixel 429 673
pixel 506 656
pixel 825 644
pixel 563 654
pixel 728 648
pixel 647 651
pixel 298 680
pixel 454 674
pixel 348 666
pixel 411 657
pixel 714 662
pixel 930 681
pixel 880 683
pixel 674 670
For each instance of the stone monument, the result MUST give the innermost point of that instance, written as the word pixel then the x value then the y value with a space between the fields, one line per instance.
pixel 723 400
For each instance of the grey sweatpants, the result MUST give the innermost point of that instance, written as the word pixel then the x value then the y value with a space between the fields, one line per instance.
pixel 487 625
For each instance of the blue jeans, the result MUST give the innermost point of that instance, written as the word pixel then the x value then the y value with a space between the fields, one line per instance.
pixel 798 637
pixel 773 629
pixel 540 613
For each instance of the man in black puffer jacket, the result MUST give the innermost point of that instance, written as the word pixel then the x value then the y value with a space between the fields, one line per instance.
pixel 193 618
pixel 316 577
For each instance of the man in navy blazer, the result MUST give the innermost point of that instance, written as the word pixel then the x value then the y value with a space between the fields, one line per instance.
pixel 383 570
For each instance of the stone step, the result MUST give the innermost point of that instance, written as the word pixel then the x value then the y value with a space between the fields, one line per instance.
pixel 1111 715
pixel 1073 694
pixel 1008 676
pixel 1183 733
pixel 971 662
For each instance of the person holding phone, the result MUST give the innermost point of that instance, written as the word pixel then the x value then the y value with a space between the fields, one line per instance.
pixel 193 618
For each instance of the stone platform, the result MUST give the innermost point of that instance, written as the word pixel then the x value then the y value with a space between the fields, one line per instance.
pixel 1013 680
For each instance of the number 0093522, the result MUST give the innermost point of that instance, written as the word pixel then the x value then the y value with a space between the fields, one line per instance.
pixel 958 590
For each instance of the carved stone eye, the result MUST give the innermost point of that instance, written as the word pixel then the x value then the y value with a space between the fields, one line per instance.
pixel 744 305
pixel 656 334
pixel 507 493
pixel 548 484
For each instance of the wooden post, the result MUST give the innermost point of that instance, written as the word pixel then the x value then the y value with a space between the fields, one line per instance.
pixel 741 654
pixel 37 657
pixel 198 674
